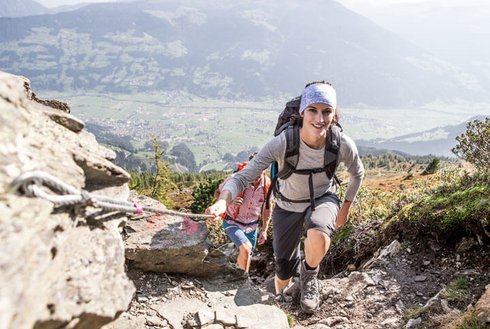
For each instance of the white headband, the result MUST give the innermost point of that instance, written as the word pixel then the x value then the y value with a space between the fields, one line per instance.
pixel 318 93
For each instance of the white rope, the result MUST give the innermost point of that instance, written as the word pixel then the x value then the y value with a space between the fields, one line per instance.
pixel 30 184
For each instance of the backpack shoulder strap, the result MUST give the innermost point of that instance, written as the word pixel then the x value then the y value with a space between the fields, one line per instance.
pixel 332 149
pixel 291 156
pixel 267 185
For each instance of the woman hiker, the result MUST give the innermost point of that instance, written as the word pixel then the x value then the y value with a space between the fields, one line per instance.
pixel 307 196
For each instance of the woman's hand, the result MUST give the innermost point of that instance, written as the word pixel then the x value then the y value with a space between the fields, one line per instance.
pixel 217 209
pixel 343 215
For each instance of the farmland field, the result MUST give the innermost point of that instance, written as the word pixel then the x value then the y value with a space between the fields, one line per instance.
pixel 214 127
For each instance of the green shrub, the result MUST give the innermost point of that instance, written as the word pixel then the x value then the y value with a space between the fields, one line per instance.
pixel 454 208
pixel 203 195
pixel 474 145
pixel 432 167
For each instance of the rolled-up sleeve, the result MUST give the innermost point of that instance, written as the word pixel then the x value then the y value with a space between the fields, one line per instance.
pixel 349 155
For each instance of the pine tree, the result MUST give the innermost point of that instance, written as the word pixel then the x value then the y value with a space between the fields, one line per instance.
pixel 163 184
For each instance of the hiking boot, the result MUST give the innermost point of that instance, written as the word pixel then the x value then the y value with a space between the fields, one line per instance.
pixel 310 289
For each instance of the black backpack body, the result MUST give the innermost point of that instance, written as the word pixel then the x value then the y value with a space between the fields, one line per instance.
pixel 289 122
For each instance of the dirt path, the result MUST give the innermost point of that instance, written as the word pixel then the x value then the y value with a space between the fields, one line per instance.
pixel 406 288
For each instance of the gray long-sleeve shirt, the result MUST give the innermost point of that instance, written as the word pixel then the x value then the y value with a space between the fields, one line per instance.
pixel 296 186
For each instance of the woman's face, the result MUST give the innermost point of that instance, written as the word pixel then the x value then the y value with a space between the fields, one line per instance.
pixel 317 118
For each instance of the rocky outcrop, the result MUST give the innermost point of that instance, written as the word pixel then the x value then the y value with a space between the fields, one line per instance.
pixel 174 244
pixel 58 266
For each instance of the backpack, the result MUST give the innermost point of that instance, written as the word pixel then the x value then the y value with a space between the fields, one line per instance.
pixel 289 122
pixel 267 184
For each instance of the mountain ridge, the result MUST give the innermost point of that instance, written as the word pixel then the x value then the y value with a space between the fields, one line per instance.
pixel 436 141
pixel 19 8
pixel 243 50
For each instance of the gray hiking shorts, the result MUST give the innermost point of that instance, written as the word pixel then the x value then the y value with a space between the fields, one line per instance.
pixel 288 228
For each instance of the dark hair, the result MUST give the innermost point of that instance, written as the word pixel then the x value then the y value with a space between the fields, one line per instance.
pixel 336 118
pixel 318 81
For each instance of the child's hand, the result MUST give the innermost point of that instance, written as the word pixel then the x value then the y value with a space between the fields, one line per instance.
pixel 238 201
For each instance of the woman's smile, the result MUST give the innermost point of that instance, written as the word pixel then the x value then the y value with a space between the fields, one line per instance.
pixel 317 118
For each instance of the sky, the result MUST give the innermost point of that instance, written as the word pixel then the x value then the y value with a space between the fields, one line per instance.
pixel 454 30
pixel 57 3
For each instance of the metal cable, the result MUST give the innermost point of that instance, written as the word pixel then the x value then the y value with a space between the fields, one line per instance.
pixel 30 184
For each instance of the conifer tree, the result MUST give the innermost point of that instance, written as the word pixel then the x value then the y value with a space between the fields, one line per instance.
pixel 162 183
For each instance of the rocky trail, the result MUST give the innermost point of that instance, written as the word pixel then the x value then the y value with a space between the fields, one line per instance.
pixel 402 286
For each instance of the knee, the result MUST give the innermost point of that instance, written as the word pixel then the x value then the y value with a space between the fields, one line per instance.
pixel 318 238
pixel 246 249
pixel 286 268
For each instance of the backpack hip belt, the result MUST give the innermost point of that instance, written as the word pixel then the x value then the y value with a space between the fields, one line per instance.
pixel 241 223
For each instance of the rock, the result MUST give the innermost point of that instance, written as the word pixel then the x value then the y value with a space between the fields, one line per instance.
pixel 465 245
pixel 420 278
pixel 72 269
pixel 214 326
pixel 391 250
pixel 225 306
pixel 351 267
pixel 483 305
pixel 334 320
pixel 125 322
pixel 319 326
pixel 391 322
pixel 206 316
pixel 445 306
pixel 174 244
pixel 413 323
pixel 382 255
pixel 400 307
pixel 66 120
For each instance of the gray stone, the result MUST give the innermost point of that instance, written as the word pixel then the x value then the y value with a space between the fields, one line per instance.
pixel 124 322
pixel 413 323
pixel 261 317
pixel 205 316
pixel 58 268
pixel 226 315
pixel 213 326
pixel 391 250
pixel 174 244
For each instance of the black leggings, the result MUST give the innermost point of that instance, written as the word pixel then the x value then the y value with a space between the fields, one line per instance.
pixel 288 229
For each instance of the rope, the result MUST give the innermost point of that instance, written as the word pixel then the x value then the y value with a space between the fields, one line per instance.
pixel 30 184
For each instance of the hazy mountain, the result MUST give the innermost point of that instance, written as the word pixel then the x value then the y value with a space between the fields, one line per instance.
pixel 233 49
pixel 64 8
pixel 456 31
pixel 437 141
pixel 18 8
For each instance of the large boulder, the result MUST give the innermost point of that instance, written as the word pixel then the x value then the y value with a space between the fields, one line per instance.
pixel 168 243
pixel 59 266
